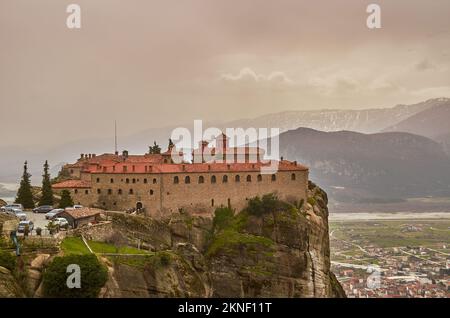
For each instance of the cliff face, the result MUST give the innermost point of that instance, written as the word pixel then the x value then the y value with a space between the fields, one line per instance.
pixel 280 253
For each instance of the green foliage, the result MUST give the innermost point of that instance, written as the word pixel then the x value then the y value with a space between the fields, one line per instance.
pixel 24 194
pixel 93 277
pixel 7 260
pixel 222 218
pixel 47 191
pixel 74 245
pixel 164 259
pixel 269 203
pixel 66 199
pixel 312 201
pixel 155 149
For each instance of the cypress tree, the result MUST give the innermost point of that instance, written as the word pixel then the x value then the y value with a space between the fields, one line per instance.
pixel 66 199
pixel 24 194
pixel 155 149
pixel 47 192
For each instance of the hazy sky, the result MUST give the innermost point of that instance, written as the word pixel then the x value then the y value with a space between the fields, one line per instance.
pixel 152 63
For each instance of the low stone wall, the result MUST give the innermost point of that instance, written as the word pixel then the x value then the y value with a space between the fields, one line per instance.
pixel 96 232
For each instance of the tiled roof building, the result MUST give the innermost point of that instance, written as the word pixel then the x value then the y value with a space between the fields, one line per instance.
pixel 224 175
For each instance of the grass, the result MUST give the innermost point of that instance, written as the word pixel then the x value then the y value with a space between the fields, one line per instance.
pixel 74 245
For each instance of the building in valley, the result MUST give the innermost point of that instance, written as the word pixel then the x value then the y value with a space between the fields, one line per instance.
pixel 157 185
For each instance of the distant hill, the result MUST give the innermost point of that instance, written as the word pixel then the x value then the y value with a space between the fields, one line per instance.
pixel 381 167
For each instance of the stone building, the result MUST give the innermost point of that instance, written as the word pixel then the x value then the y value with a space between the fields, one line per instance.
pixel 159 186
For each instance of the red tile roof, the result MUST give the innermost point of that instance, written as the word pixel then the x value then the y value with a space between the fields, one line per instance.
pixel 80 213
pixel 72 184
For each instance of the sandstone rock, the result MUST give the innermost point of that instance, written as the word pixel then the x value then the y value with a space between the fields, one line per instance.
pixel 8 286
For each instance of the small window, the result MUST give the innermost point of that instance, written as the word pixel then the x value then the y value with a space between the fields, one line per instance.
pixel 119 191
pixel 259 178
pixel 274 177
pixel 154 181
pixel 225 179
pixel 237 178
pixel 134 180
pixel 201 179
pixel 249 178
pixel 71 171
pixel 213 179
pixel 187 179
pixel 212 202
pixel 293 176
pixel 76 191
pixel 165 160
pixel 229 203
pixel 176 180
pixel 127 180
pixel 112 180
pixel 109 191
pixel 99 191
pixel 145 180
pixel 98 180
pixel 86 191
pixel 151 192
pixel 131 191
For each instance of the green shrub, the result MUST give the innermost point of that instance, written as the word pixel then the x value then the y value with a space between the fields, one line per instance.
pixel 164 259
pixel 222 218
pixel 311 201
pixel 267 204
pixel 93 277
pixel 7 260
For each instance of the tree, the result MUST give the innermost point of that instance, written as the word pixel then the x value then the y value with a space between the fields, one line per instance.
pixel 47 192
pixel 66 199
pixel 24 194
pixel 155 149
pixel 171 144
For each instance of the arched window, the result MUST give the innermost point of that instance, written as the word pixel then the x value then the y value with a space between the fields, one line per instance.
pixel 249 178
pixel 119 191
pixel 176 180
pixel 237 178
pixel 225 179
pixel 293 176
pixel 99 191
pixel 76 191
pixel 134 180
pixel 86 191
pixel 187 180
pixel 145 180
pixel 98 180
pixel 154 181
pixel 274 177
pixel 127 180
pixel 109 191
pixel 131 191
pixel 259 178
pixel 151 192
pixel 111 181
pixel 201 179
pixel 213 179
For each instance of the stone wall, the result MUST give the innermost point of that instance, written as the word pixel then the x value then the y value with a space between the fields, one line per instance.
pixel 97 232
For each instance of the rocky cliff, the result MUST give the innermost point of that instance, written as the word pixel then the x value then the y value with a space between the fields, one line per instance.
pixel 280 253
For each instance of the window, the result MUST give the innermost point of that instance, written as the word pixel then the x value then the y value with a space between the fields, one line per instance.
pixel 213 179
pixel 176 180
pixel 237 178
pixel 229 203
pixel 151 192
pixel 187 179
pixel 165 160
pixel 127 180
pixel 154 181
pixel 125 169
pixel 109 191
pixel 259 178
pixel 212 202
pixel 225 179
pixel 293 176
pixel 71 171
pixel 99 191
pixel 86 191
pixel 119 191
pixel 249 178
pixel 201 179
pixel 131 191
pixel 134 180
pixel 274 177
pixel 76 191
pixel 98 180
pixel 145 180
pixel 112 180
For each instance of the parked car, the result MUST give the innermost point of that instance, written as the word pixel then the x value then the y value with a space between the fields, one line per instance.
pixel 11 206
pixel 19 214
pixel 43 209
pixel 62 222
pixel 77 206
pixel 22 224
pixel 50 215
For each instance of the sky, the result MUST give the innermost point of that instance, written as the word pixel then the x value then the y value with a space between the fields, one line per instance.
pixel 152 63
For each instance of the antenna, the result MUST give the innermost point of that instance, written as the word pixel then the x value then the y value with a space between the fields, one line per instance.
pixel 115 137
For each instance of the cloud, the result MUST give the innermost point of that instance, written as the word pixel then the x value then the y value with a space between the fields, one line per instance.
pixel 248 75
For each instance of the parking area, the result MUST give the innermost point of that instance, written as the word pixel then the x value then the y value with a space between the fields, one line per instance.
pixel 38 219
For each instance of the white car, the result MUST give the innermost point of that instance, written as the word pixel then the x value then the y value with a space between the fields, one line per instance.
pixel 19 214
pixel 50 215
pixel 62 222
pixel 9 207
pixel 77 206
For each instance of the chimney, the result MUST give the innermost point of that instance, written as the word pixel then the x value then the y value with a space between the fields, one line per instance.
pixel 82 156
pixel 94 155
pixel 116 153
pixel 295 163
pixel 281 158
pixel 125 154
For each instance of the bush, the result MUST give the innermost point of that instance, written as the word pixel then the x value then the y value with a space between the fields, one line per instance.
pixel 312 201
pixel 93 277
pixel 267 204
pixel 7 260
pixel 222 218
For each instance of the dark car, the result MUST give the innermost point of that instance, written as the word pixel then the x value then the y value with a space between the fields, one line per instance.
pixel 43 209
